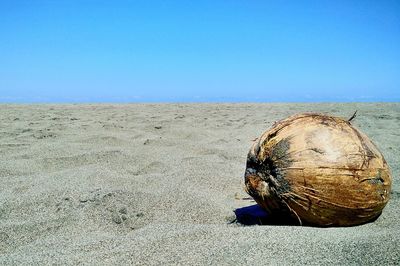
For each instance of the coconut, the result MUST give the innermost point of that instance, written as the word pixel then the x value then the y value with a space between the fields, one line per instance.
pixel 319 170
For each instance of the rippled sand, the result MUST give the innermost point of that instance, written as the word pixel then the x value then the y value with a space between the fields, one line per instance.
pixel 158 183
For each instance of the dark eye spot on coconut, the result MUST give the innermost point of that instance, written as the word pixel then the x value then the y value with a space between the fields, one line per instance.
pixel 273 167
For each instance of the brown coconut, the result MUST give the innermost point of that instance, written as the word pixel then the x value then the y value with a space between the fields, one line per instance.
pixel 318 169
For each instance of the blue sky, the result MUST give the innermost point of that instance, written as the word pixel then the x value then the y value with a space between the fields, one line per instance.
pixel 174 51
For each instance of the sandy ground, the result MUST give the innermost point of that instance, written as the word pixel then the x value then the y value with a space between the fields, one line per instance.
pixel 157 184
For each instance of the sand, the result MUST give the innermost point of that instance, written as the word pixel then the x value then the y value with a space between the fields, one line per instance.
pixel 152 184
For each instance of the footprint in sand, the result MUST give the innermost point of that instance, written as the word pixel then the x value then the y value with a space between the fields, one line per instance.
pixel 114 205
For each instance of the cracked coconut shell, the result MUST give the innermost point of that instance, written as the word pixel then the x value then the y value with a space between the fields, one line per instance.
pixel 319 170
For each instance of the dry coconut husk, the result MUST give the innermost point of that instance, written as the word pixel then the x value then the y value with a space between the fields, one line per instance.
pixel 318 169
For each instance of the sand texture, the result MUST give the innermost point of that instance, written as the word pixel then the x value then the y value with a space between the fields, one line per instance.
pixel 151 184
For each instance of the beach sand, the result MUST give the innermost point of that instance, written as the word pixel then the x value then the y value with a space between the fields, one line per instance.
pixel 152 184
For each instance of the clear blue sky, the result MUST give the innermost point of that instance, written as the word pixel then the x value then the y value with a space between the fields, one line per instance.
pixel 142 51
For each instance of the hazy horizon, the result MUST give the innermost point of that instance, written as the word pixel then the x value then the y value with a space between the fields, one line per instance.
pixel 127 100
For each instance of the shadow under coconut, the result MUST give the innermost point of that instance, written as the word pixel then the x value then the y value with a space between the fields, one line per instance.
pixel 255 215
